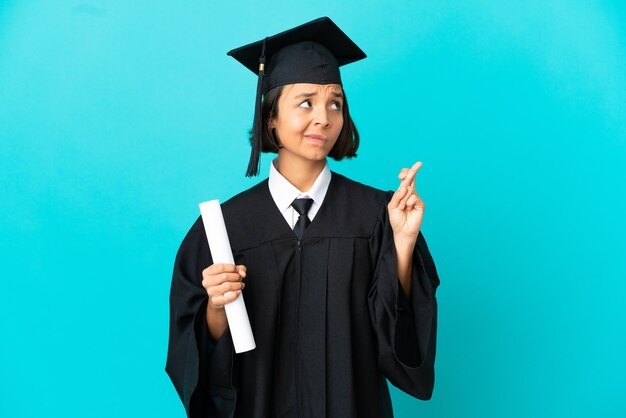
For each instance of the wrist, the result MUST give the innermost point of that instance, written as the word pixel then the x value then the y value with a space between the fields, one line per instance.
pixel 214 309
pixel 404 243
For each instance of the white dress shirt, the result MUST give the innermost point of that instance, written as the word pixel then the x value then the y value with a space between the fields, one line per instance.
pixel 284 193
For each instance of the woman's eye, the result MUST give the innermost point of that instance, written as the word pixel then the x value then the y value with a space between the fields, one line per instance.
pixel 305 104
pixel 336 105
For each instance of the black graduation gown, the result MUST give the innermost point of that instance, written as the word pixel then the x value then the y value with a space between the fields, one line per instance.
pixel 328 314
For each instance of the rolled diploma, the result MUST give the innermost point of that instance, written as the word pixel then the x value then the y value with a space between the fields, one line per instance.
pixel 219 245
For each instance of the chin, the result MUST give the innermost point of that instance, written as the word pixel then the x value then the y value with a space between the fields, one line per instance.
pixel 318 154
pixel 318 157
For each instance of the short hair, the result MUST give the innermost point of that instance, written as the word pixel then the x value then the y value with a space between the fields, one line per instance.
pixel 347 142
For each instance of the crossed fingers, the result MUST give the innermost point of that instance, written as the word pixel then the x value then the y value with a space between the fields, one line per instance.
pixel 406 196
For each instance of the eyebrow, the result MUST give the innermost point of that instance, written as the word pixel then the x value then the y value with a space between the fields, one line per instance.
pixel 307 95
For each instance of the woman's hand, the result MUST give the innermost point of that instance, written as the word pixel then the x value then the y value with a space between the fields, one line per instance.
pixel 406 209
pixel 218 279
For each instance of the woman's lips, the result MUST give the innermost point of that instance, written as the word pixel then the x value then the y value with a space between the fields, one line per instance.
pixel 315 139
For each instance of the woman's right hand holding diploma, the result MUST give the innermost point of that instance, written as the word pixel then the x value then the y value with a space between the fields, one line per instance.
pixel 219 279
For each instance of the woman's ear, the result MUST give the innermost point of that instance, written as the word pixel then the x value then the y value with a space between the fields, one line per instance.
pixel 271 124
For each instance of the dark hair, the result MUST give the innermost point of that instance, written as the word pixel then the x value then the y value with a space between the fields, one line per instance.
pixel 347 142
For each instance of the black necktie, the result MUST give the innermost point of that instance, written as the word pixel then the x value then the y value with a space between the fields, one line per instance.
pixel 302 206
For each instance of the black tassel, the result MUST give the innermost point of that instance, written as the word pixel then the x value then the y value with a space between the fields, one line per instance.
pixel 253 164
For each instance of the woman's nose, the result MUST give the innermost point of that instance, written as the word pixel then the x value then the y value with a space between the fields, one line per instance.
pixel 321 116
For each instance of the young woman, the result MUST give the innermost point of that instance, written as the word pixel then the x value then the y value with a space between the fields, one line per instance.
pixel 339 283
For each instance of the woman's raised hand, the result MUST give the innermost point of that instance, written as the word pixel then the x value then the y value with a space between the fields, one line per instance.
pixel 406 208
pixel 218 279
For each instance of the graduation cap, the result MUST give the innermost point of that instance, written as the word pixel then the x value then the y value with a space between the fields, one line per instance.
pixel 309 53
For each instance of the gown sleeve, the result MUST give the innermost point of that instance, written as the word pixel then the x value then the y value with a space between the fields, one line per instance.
pixel 406 328
pixel 200 369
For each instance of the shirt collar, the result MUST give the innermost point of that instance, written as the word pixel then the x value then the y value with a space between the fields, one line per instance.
pixel 284 192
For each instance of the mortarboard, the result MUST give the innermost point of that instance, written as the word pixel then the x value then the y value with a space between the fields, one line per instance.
pixel 309 53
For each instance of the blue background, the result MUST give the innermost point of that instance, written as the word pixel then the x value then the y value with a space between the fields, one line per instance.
pixel 118 117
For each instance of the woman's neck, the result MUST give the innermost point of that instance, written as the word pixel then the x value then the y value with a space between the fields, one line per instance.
pixel 300 172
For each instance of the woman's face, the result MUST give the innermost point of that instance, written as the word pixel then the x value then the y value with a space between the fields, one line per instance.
pixel 309 120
